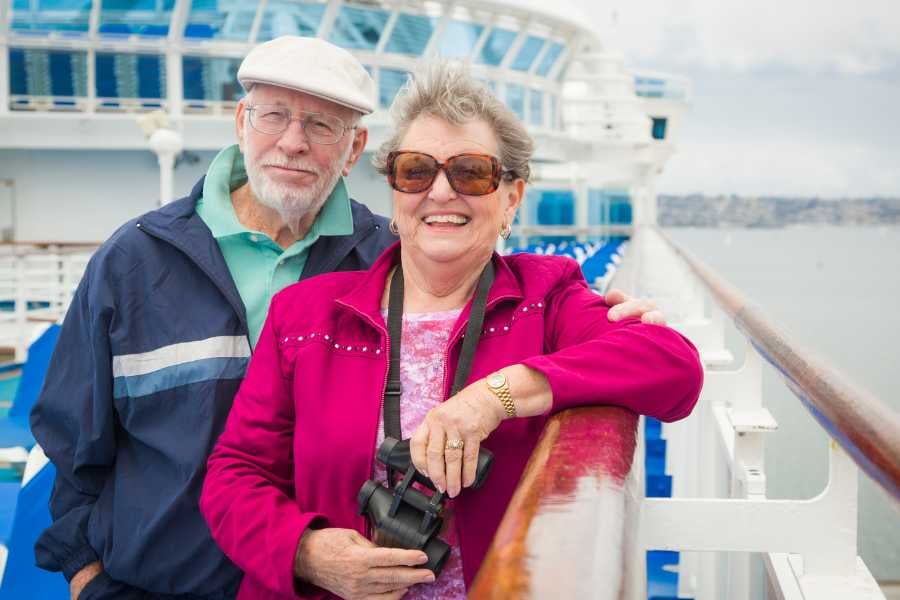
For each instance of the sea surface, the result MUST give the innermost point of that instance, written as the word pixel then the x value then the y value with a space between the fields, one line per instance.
pixel 835 291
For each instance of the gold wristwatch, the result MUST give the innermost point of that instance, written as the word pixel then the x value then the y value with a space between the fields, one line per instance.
pixel 499 385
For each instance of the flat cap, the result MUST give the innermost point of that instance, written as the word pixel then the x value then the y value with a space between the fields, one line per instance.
pixel 313 66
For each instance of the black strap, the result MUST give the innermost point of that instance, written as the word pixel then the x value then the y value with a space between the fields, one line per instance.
pixel 395 333
pixel 466 355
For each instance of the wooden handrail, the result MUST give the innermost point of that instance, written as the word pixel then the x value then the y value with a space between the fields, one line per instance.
pixel 864 426
pixel 553 526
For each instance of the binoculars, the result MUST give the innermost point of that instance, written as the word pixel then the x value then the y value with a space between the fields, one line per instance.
pixel 404 516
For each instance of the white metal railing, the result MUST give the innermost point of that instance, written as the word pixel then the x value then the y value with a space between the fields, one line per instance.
pixel 36 286
pixel 719 516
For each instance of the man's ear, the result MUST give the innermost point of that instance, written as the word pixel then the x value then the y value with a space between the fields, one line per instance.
pixel 239 123
pixel 360 138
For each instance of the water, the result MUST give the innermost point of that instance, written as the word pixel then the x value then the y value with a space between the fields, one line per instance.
pixel 835 291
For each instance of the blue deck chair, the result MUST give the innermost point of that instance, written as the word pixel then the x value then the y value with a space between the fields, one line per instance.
pixel 15 430
pixel 22 580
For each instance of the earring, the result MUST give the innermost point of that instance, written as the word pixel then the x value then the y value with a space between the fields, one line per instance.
pixel 506 231
pixel 392 226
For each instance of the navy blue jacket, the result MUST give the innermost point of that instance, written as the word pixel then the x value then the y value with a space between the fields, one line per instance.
pixel 149 358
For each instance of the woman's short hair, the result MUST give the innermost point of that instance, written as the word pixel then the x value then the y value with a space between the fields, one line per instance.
pixel 448 91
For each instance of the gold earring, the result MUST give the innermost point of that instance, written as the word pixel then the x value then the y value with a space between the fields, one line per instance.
pixel 392 226
pixel 506 231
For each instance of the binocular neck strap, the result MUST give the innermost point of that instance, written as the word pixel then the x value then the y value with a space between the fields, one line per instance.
pixel 395 332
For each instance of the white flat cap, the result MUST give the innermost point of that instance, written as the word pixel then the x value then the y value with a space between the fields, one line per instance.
pixel 313 66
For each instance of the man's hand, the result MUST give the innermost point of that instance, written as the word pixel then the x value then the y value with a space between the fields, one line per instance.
pixel 350 566
pixel 84 577
pixel 624 306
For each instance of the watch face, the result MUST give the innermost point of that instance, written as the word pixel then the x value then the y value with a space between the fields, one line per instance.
pixel 496 379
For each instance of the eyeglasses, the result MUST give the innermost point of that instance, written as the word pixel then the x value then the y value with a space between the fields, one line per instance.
pixel 320 128
pixel 468 174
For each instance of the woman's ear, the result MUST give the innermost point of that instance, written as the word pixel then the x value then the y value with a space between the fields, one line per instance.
pixel 513 196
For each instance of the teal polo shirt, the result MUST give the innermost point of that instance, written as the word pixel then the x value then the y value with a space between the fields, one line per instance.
pixel 260 267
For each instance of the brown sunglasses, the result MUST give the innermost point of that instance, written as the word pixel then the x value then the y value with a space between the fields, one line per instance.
pixel 468 174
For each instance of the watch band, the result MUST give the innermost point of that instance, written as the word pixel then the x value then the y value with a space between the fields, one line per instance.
pixel 498 384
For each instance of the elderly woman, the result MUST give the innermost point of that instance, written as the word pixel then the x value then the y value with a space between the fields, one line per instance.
pixel 280 494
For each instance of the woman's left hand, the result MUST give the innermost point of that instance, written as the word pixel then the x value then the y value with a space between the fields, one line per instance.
pixel 469 416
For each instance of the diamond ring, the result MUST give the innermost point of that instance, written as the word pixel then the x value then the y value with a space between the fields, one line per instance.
pixel 455 444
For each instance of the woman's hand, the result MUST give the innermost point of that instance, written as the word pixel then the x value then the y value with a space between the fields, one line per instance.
pixel 469 416
pixel 350 566
pixel 623 306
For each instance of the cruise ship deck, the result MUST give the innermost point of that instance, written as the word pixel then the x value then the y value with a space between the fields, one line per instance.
pixel 109 108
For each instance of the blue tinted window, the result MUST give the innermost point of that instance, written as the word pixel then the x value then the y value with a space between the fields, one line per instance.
pixel 288 18
pixel 556 208
pixel 536 107
pixel 47 72
pixel 61 82
pixel 411 34
pixel 130 76
pixel 659 128
pixel 598 208
pixel 620 211
pixel 142 5
pixel 135 17
pixel 459 39
pixel 234 20
pixel 550 57
pixel 389 83
pixel 358 28
pixel 608 206
pixel 208 78
pixel 151 76
pixel 515 99
pixel 51 15
pixel 495 46
pixel 230 22
pixel 18 80
pixel 527 53
pixel 63 5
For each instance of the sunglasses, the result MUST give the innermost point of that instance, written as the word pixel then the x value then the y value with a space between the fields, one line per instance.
pixel 468 174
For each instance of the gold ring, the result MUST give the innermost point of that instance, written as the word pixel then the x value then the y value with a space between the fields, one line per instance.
pixel 455 444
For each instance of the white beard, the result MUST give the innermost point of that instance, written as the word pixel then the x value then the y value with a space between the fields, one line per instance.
pixel 293 202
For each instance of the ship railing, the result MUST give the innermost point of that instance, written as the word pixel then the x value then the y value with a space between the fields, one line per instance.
pixel 733 541
pixel 579 232
pixel 20 102
pixel 37 281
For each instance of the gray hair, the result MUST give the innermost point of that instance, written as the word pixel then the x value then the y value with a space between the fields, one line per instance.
pixel 449 92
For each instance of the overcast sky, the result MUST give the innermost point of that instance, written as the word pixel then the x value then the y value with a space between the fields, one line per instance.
pixel 790 97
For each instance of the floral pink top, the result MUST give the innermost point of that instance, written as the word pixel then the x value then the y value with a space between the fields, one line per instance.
pixel 425 337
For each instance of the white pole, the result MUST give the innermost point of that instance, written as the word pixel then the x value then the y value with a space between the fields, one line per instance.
pixel 166 144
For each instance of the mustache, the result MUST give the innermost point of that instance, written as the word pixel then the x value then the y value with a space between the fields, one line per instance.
pixel 284 162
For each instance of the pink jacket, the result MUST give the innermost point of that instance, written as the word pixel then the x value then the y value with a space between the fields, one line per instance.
pixel 300 438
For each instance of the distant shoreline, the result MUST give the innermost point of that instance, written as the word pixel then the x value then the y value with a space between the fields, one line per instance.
pixel 719 212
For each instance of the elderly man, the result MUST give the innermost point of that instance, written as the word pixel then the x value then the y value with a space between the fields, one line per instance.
pixel 160 330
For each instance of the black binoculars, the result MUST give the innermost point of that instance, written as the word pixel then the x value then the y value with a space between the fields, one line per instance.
pixel 404 516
